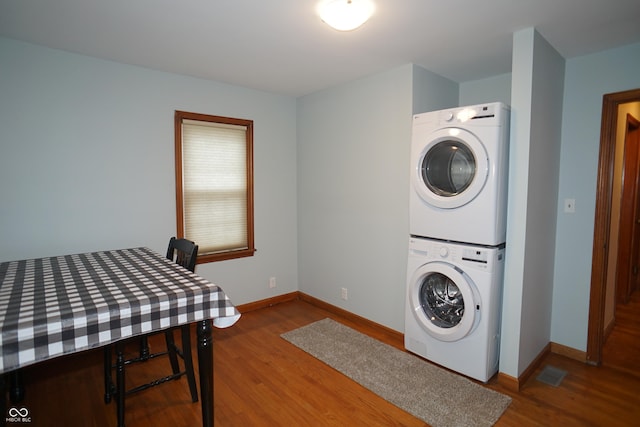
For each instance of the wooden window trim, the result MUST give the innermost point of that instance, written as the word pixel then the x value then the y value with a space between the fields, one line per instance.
pixel 179 117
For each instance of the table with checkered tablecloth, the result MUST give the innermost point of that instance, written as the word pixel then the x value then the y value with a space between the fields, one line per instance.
pixel 65 304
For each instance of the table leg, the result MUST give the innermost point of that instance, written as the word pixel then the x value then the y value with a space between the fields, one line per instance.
pixel 205 365
pixel 3 400
pixel 16 388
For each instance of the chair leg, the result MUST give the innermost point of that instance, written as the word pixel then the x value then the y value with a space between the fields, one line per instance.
pixel 188 362
pixel 144 348
pixel 108 382
pixel 119 390
pixel 120 384
pixel 171 349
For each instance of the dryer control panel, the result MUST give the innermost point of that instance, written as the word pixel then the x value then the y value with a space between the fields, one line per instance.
pixel 490 114
pixel 472 114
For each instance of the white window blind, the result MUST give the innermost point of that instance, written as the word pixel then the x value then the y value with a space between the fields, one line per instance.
pixel 214 160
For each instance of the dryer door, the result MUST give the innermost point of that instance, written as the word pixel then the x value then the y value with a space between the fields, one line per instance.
pixel 444 301
pixel 451 169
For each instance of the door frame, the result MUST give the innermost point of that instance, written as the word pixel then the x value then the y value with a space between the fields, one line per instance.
pixel 602 221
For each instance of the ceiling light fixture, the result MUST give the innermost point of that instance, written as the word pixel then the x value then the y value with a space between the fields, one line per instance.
pixel 346 15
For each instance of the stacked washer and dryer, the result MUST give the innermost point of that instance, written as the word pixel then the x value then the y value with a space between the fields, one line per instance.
pixel 457 222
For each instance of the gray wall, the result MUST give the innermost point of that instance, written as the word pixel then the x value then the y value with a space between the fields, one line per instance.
pixel 587 79
pixel 353 151
pixel 491 89
pixel 87 162
pixel 536 106
pixel 432 92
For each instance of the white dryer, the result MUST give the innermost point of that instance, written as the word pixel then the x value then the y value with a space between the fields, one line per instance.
pixel 459 160
pixel 453 305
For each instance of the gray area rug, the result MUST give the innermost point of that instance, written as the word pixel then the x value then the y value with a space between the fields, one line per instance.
pixel 438 397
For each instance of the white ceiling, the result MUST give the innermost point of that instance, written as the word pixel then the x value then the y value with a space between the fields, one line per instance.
pixel 282 46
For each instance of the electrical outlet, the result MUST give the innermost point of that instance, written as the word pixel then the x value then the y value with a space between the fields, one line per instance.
pixel 569 205
pixel 272 282
pixel 344 294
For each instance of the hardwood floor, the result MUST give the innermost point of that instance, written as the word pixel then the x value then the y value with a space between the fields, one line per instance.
pixel 262 380
pixel 622 348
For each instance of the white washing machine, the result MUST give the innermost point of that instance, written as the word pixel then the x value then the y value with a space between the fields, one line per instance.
pixel 453 305
pixel 459 160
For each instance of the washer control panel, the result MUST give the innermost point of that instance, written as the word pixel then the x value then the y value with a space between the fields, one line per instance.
pixel 479 257
pixel 475 255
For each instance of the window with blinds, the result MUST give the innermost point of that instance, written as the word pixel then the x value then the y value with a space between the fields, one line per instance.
pixel 214 184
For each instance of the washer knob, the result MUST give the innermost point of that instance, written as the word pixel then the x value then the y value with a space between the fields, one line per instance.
pixel 448 116
pixel 444 252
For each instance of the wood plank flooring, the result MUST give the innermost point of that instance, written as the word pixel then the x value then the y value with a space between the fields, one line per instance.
pixel 262 380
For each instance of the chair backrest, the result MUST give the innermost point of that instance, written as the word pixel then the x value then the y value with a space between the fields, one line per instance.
pixel 184 252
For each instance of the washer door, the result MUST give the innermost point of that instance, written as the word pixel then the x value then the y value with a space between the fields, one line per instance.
pixel 451 169
pixel 444 301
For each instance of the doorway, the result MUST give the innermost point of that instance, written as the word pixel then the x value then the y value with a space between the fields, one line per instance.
pixel 602 223
pixel 629 227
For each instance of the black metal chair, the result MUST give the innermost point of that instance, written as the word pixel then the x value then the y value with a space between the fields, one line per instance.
pixel 184 252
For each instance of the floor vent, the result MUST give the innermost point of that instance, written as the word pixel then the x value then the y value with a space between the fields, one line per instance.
pixel 551 375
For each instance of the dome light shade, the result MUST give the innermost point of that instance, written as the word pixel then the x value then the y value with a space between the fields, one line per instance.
pixel 346 15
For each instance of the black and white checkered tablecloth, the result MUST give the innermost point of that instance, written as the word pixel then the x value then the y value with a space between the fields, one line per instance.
pixel 65 304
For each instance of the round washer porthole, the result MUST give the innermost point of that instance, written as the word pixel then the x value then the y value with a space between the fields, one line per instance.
pixel 443 301
pixel 451 169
